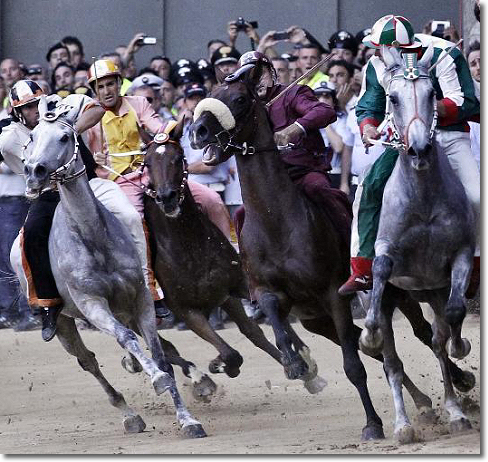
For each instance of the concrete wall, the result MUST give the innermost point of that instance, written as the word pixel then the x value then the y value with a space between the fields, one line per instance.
pixel 28 28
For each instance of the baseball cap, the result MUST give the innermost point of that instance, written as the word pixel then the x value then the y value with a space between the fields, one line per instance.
pixel 323 88
pixel 195 89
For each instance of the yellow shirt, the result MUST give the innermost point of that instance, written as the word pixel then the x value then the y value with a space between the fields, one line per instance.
pixel 122 135
pixel 315 80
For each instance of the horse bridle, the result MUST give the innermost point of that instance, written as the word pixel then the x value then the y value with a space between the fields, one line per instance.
pixel 60 175
pixel 398 141
pixel 162 139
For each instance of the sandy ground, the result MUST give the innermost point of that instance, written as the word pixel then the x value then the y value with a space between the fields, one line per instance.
pixel 49 405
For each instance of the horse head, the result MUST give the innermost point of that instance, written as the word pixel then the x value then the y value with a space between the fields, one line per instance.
pixel 52 149
pixel 411 102
pixel 221 122
pixel 168 172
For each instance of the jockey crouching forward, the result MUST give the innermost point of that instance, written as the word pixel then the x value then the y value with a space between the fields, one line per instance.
pixel 24 98
pixel 456 103
pixel 116 144
pixel 296 118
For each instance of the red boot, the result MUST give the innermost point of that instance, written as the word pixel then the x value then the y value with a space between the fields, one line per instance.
pixel 474 282
pixel 361 277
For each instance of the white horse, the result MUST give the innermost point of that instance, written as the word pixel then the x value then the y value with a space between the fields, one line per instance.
pixel 426 237
pixel 96 268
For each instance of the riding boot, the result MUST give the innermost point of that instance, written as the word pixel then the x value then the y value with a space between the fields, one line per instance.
pixel 361 277
pixel 49 317
pixel 474 282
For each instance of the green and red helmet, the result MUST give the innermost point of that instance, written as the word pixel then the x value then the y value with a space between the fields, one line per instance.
pixel 392 31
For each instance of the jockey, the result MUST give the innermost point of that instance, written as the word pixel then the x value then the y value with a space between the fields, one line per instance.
pixel 24 99
pixel 456 104
pixel 296 119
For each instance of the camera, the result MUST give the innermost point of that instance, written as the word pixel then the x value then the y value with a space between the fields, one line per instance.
pixel 148 41
pixel 282 35
pixel 438 28
pixel 241 24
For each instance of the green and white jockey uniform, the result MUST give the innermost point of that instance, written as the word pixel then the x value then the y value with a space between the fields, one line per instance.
pixel 457 102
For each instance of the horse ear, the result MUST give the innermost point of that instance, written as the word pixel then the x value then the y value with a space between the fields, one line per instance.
pixel 219 76
pixel 42 107
pixel 390 56
pixel 427 56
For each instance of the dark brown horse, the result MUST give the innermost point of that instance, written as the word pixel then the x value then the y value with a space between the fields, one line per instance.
pixel 289 247
pixel 196 266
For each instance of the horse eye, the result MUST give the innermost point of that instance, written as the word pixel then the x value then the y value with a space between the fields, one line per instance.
pixel 241 100
pixel 64 138
pixel 394 100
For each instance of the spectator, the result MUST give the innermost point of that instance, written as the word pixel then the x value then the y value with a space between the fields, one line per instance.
pixel 151 93
pixel 56 54
pixel 3 96
pixel 168 92
pixel 75 48
pixel 360 58
pixel 81 75
pixel 213 46
pixel 233 30
pixel 44 84
pixel 343 45
pixel 35 72
pixel 335 136
pixel 293 68
pixel 282 71
pixel 308 57
pixel 11 72
pixel 473 57
pixel 208 74
pixel 162 65
pixel 183 73
pixel 340 73
pixel 63 80
pixel 225 60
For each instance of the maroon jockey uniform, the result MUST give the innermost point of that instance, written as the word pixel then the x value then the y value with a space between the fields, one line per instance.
pixel 296 118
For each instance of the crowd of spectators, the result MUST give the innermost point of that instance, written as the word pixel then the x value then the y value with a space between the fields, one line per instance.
pixel 174 85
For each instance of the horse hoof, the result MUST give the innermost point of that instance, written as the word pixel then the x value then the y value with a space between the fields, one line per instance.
pixel 460 425
pixel 315 385
pixel 297 369
pixel 427 416
pixel 162 382
pixel 371 342
pixel 134 424
pixel 405 434
pixel 232 372
pixel 204 389
pixel 465 382
pixel 372 432
pixel 458 353
pixel 131 365
pixel 216 366
pixel 194 431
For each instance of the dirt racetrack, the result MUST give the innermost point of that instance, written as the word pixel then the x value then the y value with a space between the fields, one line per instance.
pixel 48 405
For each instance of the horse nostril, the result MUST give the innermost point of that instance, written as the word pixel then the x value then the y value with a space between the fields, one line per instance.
pixel 202 132
pixel 40 171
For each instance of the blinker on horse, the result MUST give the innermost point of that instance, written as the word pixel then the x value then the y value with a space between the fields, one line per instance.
pixel 96 267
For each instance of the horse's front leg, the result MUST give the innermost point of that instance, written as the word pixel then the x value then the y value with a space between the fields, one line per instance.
pixel 371 340
pixel 294 365
pixel 455 310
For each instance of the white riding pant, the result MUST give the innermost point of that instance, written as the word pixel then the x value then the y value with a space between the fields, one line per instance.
pixel 457 147
pixel 113 198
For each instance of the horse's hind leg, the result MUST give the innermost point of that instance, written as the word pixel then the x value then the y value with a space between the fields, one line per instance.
pixel 70 338
pixel 393 367
pixel 147 325
pixel 354 369
pixel 463 380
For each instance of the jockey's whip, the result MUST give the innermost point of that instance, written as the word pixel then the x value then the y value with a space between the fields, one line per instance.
pixel 447 52
pixel 96 86
pixel 304 76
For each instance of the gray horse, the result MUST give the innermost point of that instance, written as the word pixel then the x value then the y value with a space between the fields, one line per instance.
pixel 96 267
pixel 426 237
